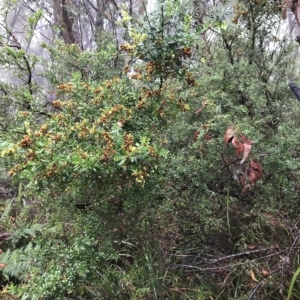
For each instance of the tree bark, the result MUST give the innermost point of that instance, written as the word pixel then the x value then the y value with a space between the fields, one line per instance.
pixel 64 19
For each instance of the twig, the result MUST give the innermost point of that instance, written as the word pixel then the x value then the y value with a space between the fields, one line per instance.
pixel 241 254
pixel 4 235
pixel 28 67
pixel 232 265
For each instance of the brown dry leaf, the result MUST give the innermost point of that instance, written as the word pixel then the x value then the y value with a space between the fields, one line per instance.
pixel 246 140
pixel 1 251
pixel 242 179
pixel 265 273
pixel 239 146
pixel 198 110
pixel 245 188
pixel 253 276
pixel 251 283
pixel 267 215
pixel 251 247
pixel 239 150
pixel 207 137
pixel 254 171
pixel 203 105
pixel 247 147
pixel 235 142
pixel 2 266
pixel 254 177
pixel 272 219
pixel 256 165
pixel 228 135
pixel 195 136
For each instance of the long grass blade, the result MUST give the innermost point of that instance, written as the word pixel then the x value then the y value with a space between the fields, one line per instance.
pixel 292 283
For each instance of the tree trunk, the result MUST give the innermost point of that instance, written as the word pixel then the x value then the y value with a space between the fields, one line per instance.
pixel 64 19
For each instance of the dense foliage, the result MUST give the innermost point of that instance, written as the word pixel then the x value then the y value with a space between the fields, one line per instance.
pixel 163 165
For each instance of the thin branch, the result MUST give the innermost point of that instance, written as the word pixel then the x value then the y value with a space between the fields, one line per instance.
pixel 13 131
pixel 240 254
pixel 92 5
pixel 116 6
pixel 28 67
pixel 231 265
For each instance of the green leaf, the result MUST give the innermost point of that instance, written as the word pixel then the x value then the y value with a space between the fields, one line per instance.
pixel 163 152
pixel 76 159
pixel 6 145
pixel 296 274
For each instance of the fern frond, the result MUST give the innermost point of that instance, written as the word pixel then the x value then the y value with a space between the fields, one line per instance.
pixel 5 217
pixel 25 230
pixel 17 262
